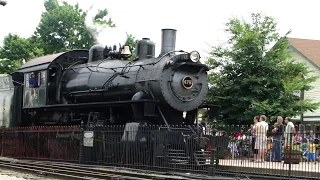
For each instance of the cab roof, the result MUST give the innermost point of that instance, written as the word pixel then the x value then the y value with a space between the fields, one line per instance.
pixel 43 62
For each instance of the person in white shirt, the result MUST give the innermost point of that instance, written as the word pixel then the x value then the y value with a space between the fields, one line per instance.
pixel 288 132
pixel 261 137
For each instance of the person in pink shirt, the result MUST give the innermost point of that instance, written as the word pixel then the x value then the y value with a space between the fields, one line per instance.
pixel 253 135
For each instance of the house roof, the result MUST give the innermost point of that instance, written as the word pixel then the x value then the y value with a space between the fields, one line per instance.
pixel 307 47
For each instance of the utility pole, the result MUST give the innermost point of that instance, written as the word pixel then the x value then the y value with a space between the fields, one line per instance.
pixel 3 3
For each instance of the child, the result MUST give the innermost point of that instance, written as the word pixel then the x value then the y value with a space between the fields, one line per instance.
pixel 304 147
pixel 296 146
pixel 233 148
pixel 275 126
pixel 275 129
pixel 311 151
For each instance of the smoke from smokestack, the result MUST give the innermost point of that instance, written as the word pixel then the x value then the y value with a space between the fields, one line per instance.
pixel 104 34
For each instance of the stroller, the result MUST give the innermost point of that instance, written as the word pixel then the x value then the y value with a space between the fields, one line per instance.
pixel 268 154
pixel 304 148
pixel 233 146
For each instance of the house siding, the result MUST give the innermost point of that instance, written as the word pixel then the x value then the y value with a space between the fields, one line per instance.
pixel 314 93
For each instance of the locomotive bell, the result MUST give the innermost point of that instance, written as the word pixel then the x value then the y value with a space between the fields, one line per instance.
pixel 126 50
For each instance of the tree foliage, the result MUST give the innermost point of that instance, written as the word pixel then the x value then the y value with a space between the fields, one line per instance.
pixel 15 50
pixel 252 77
pixel 132 42
pixel 62 27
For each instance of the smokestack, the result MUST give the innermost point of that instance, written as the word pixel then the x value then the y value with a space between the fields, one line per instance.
pixel 168 40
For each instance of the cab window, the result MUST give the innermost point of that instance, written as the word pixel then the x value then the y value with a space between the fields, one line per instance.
pixel 43 78
pixel 32 80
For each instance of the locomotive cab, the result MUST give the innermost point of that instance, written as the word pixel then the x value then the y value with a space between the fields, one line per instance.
pixel 42 87
pixel 43 80
pixel 43 77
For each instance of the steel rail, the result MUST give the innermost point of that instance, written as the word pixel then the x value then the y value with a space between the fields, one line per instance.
pixel 137 171
pixel 77 172
pixel 104 170
pixel 66 174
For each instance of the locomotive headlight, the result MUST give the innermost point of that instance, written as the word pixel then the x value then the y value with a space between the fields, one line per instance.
pixel 195 56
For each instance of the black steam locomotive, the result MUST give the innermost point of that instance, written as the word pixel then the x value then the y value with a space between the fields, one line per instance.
pixel 101 86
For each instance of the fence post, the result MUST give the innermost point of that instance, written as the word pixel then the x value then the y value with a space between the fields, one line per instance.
pixel 290 152
pixel 2 140
pixel 38 144
pixel 81 142
pixel 214 158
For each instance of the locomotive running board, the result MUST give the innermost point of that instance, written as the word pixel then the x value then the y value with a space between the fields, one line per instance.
pixel 95 104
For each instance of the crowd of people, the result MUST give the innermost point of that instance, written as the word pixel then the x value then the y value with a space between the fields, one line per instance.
pixel 283 136
pixel 268 142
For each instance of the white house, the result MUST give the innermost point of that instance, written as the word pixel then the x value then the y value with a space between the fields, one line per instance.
pixel 308 52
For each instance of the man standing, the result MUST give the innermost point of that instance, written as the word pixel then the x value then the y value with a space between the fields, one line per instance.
pixel 277 138
pixel 288 133
pixel 253 135
pixel 261 138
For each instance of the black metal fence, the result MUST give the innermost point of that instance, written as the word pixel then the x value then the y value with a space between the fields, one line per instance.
pixel 149 147
pixel 224 150
pixel 43 143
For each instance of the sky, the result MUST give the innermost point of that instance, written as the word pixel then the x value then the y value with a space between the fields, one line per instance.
pixel 198 23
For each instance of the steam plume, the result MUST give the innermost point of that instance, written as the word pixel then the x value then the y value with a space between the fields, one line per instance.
pixel 104 34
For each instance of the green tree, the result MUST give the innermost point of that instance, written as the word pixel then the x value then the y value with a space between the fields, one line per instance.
pixel 132 42
pixel 15 50
pixel 62 27
pixel 250 78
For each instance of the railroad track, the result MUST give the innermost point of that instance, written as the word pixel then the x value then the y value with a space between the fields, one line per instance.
pixel 77 172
